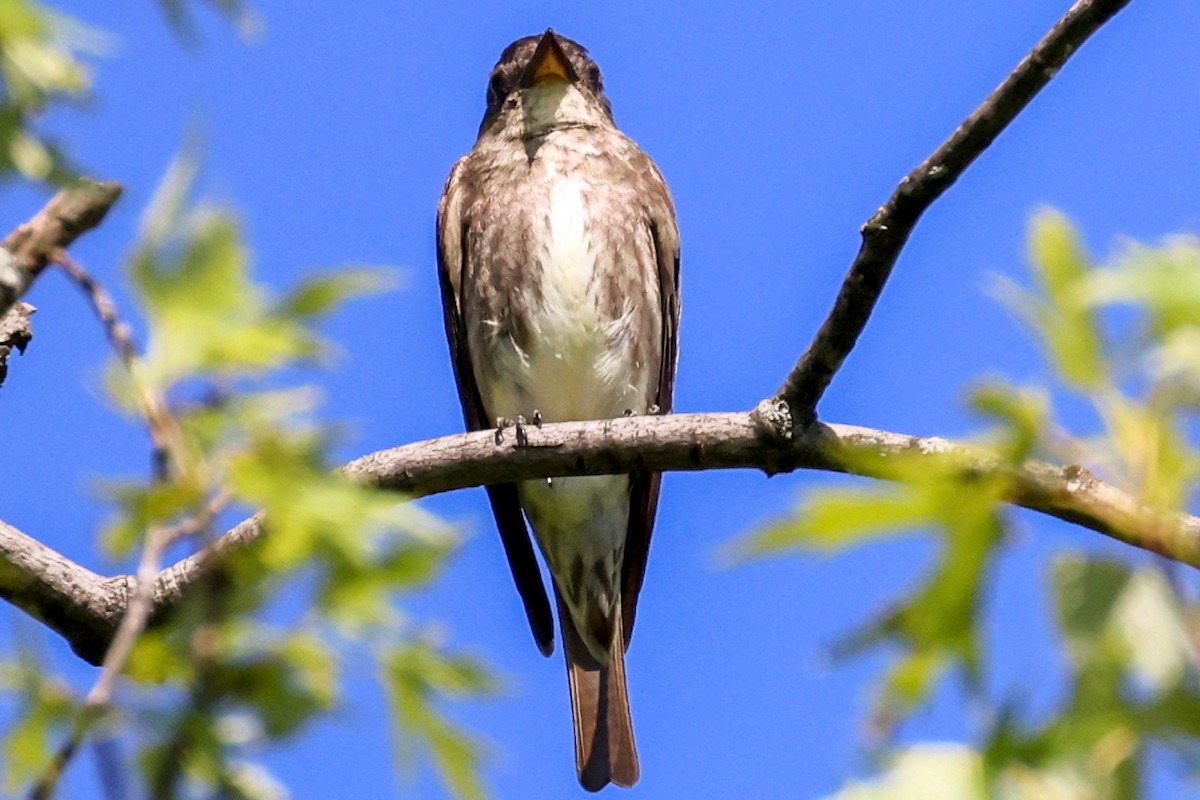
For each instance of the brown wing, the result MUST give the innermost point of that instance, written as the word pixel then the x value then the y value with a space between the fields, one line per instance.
pixel 644 488
pixel 506 506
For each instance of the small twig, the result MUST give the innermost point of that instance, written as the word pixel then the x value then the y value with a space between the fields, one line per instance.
pixel 120 335
pixel 165 435
pixel 100 697
pixel 203 696
pixel 74 210
pixel 201 523
pixel 885 234
pixel 134 621
pixel 44 788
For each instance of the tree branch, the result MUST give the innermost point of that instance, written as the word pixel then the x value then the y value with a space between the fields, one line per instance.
pixel 74 210
pixel 74 601
pixel 885 234
pixel 85 608
pixel 16 329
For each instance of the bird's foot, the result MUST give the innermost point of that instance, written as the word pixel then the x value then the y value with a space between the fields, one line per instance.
pixel 518 426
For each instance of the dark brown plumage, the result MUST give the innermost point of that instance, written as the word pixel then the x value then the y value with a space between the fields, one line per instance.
pixel 558 254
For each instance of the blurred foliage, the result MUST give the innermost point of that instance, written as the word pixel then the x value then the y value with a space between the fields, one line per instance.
pixel 416 673
pixel 218 682
pixel 935 626
pixel 1123 338
pixel 45 714
pixel 223 677
pixel 42 70
pixel 39 70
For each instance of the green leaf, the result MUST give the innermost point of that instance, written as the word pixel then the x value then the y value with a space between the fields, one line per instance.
pixel 414 673
pixel 39 69
pixel 158 657
pixel 1164 282
pixel 1057 256
pixel 1118 623
pixel 1152 451
pixel 935 623
pixel 285 683
pixel 243 780
pixel 908 681
pixel 1023 413
pixel 1086 592
pixel 45 711
pixel 321 294
pixel 1065 318
pixel 832 519
pixel 356 596
pixel 1174 716
pixel 192 273
pixel 142 506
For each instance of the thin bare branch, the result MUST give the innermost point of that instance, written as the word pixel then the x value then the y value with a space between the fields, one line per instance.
pixel 885 234
pixel 119 334
pixel 164 429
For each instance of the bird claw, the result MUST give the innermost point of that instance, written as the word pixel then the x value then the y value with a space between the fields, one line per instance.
pixel 518 426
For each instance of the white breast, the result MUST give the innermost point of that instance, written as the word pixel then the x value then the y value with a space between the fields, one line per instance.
pixel 568 262
pixel 578 364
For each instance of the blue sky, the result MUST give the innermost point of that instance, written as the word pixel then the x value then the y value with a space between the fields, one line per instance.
pixel 780 128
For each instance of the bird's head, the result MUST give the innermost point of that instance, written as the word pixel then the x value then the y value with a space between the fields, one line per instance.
pixel 542 83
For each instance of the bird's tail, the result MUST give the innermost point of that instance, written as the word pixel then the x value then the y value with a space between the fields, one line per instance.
pixel 604 748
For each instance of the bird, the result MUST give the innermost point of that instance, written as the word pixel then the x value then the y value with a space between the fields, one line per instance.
pixel 558 259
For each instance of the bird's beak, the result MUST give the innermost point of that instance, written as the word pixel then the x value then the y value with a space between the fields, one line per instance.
pixel 549 63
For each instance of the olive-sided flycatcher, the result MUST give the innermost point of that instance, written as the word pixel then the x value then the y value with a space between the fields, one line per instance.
pixel 559 260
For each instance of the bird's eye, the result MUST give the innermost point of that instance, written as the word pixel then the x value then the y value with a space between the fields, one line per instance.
pixel 496 90
pixel 594 80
